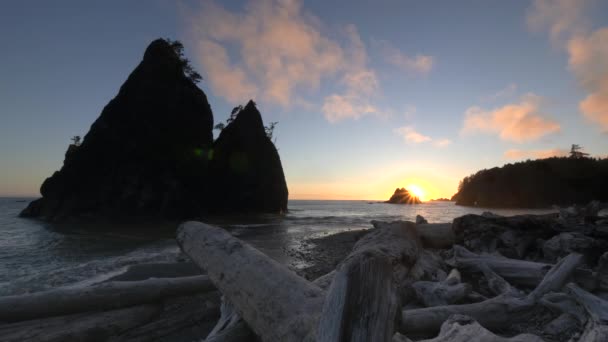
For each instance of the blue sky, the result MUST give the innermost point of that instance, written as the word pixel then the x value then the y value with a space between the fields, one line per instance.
pixel 369 96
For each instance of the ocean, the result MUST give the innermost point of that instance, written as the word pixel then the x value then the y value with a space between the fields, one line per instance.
pixel 37 256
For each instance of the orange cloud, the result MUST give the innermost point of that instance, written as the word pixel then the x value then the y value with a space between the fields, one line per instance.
pixel 410 135
pixel 535 154
pixel 280 49
pixel 517 122
pixel 589 62
pixel 588 55
pixel 359 83
pixel 559 17
pixel 419 63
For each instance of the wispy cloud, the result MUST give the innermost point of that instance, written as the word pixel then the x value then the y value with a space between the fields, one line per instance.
pixel 442 142
pixel 568 26
pixel 516 154
pixel 279 47
pixel 359 82
pixel 503 93
pixel 410 135
pixel 518 122
pixel 418 63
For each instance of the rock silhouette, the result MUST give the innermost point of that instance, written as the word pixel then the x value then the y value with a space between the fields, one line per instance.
pixel 402 196
pixel 151 154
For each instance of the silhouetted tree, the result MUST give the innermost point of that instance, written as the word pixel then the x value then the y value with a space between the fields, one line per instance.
pixel 220 126
pixel 188 70
pixel 76 140
pixel 575 152
pixel 270 129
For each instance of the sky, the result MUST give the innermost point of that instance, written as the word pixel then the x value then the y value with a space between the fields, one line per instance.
pixel 368 96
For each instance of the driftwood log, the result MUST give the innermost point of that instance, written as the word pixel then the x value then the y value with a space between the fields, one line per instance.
pixel 277 304
pixel 523 272
pixel 492 313
pixel 100 297
pixel 97 326
pixel 460 328
pixel 362 301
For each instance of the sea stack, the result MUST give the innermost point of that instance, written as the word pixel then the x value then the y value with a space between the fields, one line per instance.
pixel 151 154
pixel 247 167
pixel 402 196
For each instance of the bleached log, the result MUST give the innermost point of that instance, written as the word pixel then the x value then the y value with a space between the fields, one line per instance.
pixel 103 296
pixel 325 280
pixel 230 327
pixel 180 318
pixel 557 276
pixel 277 304
pixel 432 235
pixel 597 308
pixel 97 326
pixel 523 272
pixel 494 312
pixel 436 235
pixel 460 328
pixel 448 291
pixel 562 303
pixel 362 301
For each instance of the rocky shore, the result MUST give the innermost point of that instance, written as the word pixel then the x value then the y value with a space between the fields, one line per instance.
pixel 480 278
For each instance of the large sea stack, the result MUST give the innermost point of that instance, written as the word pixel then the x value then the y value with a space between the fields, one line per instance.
pixel 151 154
pixel 247 168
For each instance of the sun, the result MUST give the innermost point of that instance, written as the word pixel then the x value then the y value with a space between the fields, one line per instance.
pixel 416 191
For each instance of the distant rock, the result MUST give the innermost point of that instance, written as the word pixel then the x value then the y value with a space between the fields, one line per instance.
pixel 421 220
pixel 441 200
pixel 402 196
pixel 151 154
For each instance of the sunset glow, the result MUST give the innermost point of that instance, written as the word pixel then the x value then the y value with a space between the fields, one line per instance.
pixel 416 191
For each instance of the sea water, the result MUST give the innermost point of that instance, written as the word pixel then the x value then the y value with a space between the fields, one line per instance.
pixel 36 256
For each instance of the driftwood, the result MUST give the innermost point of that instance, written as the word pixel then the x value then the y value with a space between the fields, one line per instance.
pixel 96 326
pixel 436 235
pixel 230 327
pixel 432 235
pixel 597 308
pixel 523 272
pixel 361 303
pixel 277 304
pixel 104 296
pixel 448 291
pixel 494 312
pixel 460 328
pixel 181 318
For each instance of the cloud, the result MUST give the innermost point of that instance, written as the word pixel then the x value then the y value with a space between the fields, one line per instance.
pixel 518 122
pixel 410 135
pixel 589 62
pixel 535 154
pixel 568 26
pixel 359 84
pixel 442 142
pixel 418 63
pixel 559 17
pixel 506 92
pixel 280 49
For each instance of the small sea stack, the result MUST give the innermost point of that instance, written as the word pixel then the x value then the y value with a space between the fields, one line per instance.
pixel 403 196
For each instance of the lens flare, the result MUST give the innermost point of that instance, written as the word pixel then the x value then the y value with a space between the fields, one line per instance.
pixel 416 191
